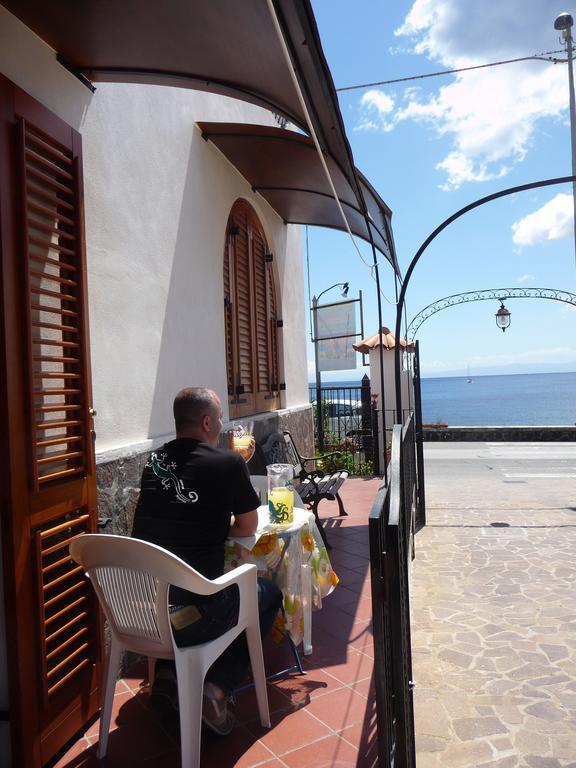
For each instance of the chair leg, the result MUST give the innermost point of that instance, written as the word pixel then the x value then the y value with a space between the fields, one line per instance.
pixel 258 673
pixel 151 670
pixel 110 674
pixel 190 688
pixel 314 508
pixel 342 512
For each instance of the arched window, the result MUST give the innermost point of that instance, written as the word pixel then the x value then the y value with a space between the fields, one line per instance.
pixel 250 316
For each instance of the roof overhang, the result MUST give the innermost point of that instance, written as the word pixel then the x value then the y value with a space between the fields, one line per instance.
pixel 284 167
pixel 230 47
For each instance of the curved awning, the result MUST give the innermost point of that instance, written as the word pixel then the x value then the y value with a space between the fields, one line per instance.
pixel 284 167
pixel 230 47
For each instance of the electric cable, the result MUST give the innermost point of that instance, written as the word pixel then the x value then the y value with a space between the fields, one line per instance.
pixel 536 56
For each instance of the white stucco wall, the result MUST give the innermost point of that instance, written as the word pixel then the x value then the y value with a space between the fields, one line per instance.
pixel 389 390
pixel 157 199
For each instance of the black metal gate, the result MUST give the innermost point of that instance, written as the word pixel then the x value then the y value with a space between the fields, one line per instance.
pixel 420 520
pixel 391 531
pixel 346 420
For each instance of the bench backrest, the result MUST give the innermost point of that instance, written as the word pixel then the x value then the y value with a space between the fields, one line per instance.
pixel 279 448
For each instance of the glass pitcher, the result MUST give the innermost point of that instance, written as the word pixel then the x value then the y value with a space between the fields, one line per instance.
pixel 280 493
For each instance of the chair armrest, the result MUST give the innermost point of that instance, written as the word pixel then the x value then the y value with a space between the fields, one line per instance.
pixel 235 575
pixel 305 459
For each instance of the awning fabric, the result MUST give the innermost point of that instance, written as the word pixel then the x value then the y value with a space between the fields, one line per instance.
pixel 283 166
pixel 228 47
pixel 385 339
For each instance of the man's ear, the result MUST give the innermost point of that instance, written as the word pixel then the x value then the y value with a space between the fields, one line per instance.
pixel 205 422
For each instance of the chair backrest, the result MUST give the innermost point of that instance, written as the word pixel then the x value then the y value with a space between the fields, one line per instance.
pixel 132 578
pixel 292 453
pixel 280 449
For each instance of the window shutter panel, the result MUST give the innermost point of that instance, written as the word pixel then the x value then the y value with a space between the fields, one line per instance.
pixel 244 345
pixel 250 316
pixel 272 323
pixel 228 310
pixel 261 315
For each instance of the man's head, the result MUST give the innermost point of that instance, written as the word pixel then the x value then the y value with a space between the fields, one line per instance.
pixel 198 414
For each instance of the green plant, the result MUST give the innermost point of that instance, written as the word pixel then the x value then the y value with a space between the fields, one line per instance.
pixel 348 462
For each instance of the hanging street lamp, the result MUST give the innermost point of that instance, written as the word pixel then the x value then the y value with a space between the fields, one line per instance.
pixel 503 316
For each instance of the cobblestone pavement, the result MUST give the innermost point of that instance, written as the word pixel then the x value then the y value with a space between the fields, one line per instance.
pixel 494 623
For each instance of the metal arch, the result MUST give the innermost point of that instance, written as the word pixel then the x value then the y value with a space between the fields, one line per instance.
pixel 499 294
pixel 432 236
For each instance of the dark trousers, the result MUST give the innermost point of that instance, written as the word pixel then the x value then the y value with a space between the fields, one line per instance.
pixel 216 615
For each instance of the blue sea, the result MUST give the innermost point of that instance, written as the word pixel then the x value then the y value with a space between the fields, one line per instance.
pixel 511 400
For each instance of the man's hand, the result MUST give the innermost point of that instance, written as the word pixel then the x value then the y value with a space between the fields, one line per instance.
pixel 244 525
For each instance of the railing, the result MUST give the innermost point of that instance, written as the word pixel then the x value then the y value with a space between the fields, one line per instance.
pixel 349 425
pixel 391 530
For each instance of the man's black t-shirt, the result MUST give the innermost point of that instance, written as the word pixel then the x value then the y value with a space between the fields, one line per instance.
pixel 189 492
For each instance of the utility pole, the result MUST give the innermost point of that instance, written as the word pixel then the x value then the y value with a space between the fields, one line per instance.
pixel 564 23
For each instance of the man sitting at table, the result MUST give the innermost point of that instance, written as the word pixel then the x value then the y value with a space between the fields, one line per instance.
pixel 193 496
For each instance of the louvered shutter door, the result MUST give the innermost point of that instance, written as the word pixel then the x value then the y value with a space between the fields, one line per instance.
pixel 57 408
pixel 54 632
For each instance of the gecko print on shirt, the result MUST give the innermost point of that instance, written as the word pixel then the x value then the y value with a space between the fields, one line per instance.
pixel 169 480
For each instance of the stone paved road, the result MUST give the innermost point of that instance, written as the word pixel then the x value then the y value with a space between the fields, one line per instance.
pixel 494 607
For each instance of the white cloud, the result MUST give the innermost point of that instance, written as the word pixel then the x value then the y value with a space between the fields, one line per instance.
pixel 553 221
pixel 490 115
pixel 525 278
pixel 375 106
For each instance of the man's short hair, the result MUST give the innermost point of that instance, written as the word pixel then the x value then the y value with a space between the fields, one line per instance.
pixel 191 404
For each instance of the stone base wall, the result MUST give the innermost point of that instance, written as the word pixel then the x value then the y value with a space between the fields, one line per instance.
pixel 504 434
pixel 118 479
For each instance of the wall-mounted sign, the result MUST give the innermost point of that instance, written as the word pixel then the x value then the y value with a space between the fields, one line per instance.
pixel 336 328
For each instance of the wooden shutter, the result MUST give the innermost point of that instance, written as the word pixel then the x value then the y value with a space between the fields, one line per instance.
pixel 54 642
pixel 57 407
pixel 272 324
pixel 243 311
pixel 250 316
pixel 228 305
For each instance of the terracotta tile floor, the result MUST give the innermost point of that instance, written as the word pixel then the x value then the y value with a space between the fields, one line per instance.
pixel 323 719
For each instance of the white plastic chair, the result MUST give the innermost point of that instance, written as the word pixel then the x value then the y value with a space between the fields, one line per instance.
pixel 132 578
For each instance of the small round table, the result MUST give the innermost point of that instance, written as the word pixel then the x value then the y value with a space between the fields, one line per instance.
pixel 295 558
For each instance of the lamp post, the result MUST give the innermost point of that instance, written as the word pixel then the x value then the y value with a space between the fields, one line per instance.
pixel 315 299
pixel 563 23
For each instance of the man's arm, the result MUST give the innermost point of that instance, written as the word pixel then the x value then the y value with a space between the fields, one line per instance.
pixel 244 525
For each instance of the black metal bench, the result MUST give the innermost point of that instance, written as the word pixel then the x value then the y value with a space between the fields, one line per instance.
pixel 312 486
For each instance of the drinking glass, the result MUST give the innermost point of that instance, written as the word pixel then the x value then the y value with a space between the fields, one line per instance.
pixel 242 440
pixel 280 493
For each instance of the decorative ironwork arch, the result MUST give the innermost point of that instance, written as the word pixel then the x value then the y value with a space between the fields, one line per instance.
pixel 432 236
pixel 488 294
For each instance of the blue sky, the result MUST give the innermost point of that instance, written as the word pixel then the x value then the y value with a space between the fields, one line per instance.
pixel 432 146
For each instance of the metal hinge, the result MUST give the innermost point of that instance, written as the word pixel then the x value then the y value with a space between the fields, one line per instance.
pixel 268 257
pixel 279 323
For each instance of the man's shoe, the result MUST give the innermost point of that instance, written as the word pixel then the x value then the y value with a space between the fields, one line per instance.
pixel 215 712
pixel 164 692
